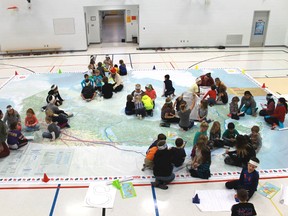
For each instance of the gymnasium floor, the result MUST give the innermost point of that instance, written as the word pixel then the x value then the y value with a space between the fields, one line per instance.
pixel 70 177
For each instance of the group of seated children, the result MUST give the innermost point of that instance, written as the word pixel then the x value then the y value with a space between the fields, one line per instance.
pixel 141 103
pixel 11 128
pixel 275 116
pixel 161 160
pixel 103 79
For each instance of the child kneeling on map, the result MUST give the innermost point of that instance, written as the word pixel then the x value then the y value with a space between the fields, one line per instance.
pixel 61 119
pixel 53 130
pixel 243 207
pixel 248 180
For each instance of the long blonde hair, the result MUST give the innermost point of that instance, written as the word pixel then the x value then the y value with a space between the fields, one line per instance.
pixel 216 125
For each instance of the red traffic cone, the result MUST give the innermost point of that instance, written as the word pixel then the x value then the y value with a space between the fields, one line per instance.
pixel 263 86
pixel 16 73
pixel 45 178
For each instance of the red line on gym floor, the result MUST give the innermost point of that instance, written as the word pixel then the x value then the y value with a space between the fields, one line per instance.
pixel 52 68
pixel 136 185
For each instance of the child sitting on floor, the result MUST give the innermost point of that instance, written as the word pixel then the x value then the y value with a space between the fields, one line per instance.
pixel 215 136
pixel 31 122
pixel 240 157
pixel 15 138
pixel 202 170
pixel 234 109
pixel 160 136
pixel 97 78
pixel 107 88
pixel 4 150
pixel 243 208
pixel 268 109
pixel 148 161
pixel 86 80
pixel 212 93
pixel 203 112
pixel 130 107
pixel 229 136
pixel 248 180
pixel 148 104
pixel 53 130
pixel 203 132
pixel 178 152
pixel 255 138
pixel 122 68
pixel 139 107
pixel 88 93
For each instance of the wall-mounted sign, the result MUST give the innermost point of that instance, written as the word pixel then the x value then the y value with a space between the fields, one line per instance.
pixel 259 27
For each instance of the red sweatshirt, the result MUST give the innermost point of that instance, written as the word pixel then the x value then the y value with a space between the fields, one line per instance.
pixel 279 113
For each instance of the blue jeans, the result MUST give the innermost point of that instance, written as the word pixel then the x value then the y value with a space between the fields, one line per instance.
pixel 47 135
pixel 31 129
pixel 165 179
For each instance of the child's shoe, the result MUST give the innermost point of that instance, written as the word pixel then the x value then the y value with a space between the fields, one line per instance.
pixel 273 126
pixel 140 117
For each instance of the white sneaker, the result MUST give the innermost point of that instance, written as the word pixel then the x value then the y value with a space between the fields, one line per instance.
pixel 140 116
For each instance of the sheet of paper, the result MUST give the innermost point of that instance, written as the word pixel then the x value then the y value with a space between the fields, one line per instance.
pixel 127 190
pixel 100 195
pixel 284 196
pixel 215 200
pixel 268 190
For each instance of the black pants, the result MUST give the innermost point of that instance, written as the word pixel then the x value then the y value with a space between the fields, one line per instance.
pixel 118 88
pixel 236 185
pixel 272 120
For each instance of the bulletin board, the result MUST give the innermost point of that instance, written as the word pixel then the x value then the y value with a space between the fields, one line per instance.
pixel 64 26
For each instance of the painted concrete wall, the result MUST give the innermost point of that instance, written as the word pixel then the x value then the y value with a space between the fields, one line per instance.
pixel 162 23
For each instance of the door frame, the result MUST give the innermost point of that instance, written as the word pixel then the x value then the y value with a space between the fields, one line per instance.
pixel 265 27
pixel 101 21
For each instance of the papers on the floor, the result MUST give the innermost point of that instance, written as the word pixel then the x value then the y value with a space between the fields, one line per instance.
pixel 30 138
pixel 215 200
pixel 127 190
pixel 284 196
pixel 268 190
pixel 100 195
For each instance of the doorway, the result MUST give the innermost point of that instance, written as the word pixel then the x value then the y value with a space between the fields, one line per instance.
pixel 112 26
pixel 259 28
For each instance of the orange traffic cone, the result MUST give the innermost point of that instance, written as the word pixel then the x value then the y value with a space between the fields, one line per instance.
pixel 45 178
pixel 263 86
pixel 16 73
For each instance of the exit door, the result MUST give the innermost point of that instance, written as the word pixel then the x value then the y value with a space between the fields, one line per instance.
pixel 259 28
